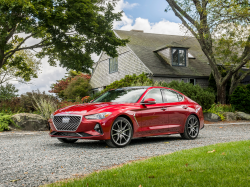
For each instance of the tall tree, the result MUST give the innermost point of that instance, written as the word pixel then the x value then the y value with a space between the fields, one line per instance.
pixel 66 30
pixel 222 30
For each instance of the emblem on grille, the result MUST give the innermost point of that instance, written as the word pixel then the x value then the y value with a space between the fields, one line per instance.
pixel 65 120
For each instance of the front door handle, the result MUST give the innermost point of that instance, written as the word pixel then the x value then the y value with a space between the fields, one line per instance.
pixel 185 107
pixel 163 109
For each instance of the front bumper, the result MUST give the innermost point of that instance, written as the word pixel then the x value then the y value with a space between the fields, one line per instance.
pixel 84 131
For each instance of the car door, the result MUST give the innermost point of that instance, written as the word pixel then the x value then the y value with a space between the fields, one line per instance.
pixel 176 109
pixel 154 115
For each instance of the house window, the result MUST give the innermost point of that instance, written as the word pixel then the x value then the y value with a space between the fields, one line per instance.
pixel 186 80
pixel 178 57
pixel 113 65
pixel 192 81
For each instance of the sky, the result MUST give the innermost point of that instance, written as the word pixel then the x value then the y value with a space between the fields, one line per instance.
pixel 146 15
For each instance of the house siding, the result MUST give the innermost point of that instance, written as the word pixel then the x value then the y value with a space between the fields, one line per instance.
pixel 202 82
pixel 128 64
pixel 166 55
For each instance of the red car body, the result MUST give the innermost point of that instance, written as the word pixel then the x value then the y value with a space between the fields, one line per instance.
pixel 147 120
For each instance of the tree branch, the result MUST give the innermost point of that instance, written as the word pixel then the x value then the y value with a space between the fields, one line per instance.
pixel 11 32
pixel 245 58
pixel 173 4
pixel 182 20
pixel 19 45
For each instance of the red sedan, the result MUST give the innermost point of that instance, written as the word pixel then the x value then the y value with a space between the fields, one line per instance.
pixel 119 115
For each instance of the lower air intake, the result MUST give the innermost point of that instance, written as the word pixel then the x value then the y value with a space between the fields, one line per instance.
pixel 79 134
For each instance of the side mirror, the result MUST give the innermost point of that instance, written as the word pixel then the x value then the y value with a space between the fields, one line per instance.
pixel 91 101
pixel 149 101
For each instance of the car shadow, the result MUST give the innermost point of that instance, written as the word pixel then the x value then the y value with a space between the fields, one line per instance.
pixel 90 144
pixel 155 139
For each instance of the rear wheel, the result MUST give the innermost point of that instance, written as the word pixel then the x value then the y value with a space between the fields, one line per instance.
pixel 191 129
pixel 67 140
pixel 121 133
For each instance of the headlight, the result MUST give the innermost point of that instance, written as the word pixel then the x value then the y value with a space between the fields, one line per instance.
pixel 51 116
pixel 98 116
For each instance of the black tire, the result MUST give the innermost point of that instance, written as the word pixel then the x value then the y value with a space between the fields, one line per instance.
pixel 192 127
pixel 121 133
pixel 67 140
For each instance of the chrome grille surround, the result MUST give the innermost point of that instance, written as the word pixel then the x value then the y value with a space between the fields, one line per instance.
pixel 72 125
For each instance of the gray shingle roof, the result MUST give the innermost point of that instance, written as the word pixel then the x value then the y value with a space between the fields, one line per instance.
pixel 144 45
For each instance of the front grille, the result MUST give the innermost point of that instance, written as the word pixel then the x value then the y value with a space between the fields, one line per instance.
pixel 79 134
pixel 67 123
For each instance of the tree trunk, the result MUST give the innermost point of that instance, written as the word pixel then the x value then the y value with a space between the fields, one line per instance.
pixel 1 61
pixel 221 94
pixel 236 80
pixel 234 84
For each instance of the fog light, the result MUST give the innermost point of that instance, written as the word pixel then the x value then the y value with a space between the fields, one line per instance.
pixel 98 128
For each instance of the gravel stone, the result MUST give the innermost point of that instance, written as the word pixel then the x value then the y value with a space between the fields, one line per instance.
pixel 33 158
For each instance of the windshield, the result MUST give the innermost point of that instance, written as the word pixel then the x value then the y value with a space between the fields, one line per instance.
pixel 121 95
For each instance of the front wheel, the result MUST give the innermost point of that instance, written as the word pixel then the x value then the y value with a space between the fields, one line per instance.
pixel 191 129
pixel 67 140
pixel 121 133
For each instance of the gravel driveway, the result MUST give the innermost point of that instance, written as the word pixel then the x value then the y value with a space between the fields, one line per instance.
pixel 33 158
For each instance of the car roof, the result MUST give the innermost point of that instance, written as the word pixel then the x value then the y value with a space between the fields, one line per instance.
pixel 134 87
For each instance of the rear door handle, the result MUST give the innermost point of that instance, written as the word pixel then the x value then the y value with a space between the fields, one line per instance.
pixel 163 109
pixel 185 107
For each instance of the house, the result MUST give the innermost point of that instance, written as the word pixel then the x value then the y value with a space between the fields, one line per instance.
pixel 162 57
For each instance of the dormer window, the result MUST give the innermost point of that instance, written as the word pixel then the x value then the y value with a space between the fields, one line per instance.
pixel 178 57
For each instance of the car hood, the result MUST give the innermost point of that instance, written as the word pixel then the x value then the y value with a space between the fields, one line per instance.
pixel 90 107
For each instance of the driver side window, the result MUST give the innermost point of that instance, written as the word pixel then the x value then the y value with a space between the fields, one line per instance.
pixel 155 94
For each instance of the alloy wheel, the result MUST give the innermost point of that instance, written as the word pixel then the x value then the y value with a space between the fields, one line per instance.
pixel 193 127
pixel 121 132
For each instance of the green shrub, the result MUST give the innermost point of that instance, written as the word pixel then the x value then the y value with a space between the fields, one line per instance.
pixel 11 106
pixel 8 92
pixel 219 109
pixel 129 80
pixel 240 98
pixel 28 102
pixel 45 105
pixel 5 121
pixel 77 88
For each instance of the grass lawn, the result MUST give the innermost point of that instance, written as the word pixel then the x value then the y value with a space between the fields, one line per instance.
pixel 224 164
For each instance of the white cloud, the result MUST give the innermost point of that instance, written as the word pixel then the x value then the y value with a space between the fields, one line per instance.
pixel 161 27
pixel 45 79
pixel 126 5
pixel 122 5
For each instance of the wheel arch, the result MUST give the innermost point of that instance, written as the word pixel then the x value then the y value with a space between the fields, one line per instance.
pixel 194 114
pixel 128 118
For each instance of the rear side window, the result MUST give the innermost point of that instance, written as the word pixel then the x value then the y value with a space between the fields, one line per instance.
pixel 155 94
pixel 171 96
